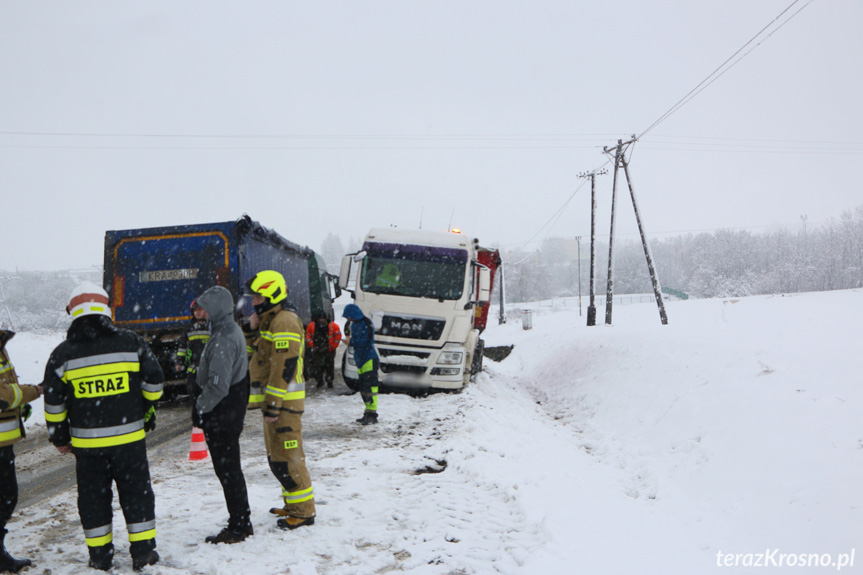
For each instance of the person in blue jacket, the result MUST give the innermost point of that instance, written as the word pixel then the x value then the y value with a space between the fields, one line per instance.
pixel 366 357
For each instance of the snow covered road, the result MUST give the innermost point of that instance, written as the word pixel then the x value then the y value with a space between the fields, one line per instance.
pixel 634 449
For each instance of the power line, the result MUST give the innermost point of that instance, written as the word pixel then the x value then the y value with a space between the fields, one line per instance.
pixel 534 141
pixel 747 149
pixel 729 63
pixel 589 137
pixel 277 148
pixel 678 232
pixel 725 66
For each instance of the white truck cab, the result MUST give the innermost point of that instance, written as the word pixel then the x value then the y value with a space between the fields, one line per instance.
pixel 427 294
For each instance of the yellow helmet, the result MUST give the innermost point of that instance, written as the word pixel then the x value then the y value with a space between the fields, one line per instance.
pixel 268 284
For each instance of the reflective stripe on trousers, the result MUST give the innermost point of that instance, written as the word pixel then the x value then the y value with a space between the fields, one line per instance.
pixel 99 536
pixel 366 372
pixel 142 531
pixel 298 496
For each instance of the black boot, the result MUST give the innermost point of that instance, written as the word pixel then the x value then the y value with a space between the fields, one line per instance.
pixel 369 417
pixel 102 558
pixel 149 558
pixel 230 535
pixel 7 562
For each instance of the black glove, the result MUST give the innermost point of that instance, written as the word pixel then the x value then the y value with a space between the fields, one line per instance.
pixel 150 419
pixel 26 411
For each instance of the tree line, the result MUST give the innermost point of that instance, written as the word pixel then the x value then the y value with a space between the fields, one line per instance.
pixel 36 301
pixel 724 263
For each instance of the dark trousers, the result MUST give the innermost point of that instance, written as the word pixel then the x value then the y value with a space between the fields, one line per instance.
pixel 222 428
pixel 127 466
pixel 368 384
pixel 8 485
pixel 322 365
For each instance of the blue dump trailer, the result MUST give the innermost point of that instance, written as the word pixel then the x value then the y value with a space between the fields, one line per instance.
pixel 153 274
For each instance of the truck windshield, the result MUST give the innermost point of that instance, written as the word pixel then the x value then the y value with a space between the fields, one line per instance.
pixel 414 271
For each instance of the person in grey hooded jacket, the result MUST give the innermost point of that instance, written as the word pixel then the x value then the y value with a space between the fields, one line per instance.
pixel 220 397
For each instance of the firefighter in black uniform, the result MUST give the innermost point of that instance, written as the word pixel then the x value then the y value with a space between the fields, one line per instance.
pixel 100 386
pixel 191 345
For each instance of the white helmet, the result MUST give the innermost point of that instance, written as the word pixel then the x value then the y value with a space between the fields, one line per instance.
pixel 88 299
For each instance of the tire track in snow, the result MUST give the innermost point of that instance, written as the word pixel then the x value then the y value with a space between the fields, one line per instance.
pixel 422 522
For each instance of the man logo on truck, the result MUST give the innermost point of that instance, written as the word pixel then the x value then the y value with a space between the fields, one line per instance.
pixel 405 328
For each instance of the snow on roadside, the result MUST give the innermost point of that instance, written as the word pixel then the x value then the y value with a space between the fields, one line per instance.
pixel 739 422
pixel 633 448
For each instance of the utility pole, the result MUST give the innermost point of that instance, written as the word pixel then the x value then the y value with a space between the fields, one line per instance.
pixel 654 279
pixel 609 288
pixel 578 243
pixel 805 266
pixel 591 308
pixel 620 161
pixel 501 318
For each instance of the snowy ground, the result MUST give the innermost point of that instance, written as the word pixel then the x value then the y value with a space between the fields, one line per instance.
pixel 732 435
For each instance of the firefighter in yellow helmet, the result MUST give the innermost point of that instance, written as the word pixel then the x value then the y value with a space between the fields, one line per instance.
pixel 277 366
pixel 14 407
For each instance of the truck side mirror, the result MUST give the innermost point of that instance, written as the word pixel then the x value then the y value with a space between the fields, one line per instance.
pixel 484 294
pixel 333 287
pixel 345 271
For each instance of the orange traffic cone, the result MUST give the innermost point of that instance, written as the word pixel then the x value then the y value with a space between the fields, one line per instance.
pixel 198 449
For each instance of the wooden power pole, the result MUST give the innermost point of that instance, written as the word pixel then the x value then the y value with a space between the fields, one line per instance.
pixel 620 161
pixel 591 308
pixel 609 287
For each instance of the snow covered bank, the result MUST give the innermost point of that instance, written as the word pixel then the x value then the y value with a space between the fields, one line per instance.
pixel 635 448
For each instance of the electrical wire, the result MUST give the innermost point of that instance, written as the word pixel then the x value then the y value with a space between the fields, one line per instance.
pixel 729 63
pixel 426 137
pixel 725 66
pixel 712 77
pixel 276 148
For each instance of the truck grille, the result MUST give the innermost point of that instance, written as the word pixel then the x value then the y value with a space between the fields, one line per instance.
pixel 387 352
pixel 393 368
pixel 412 327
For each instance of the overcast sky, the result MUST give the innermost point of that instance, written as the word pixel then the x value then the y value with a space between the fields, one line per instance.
pixel 318 117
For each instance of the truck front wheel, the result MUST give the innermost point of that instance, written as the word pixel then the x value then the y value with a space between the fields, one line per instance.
pixel 476 361
pixel 353 384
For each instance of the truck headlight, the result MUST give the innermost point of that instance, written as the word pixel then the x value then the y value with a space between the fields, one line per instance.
pixel 445 370
pixel 450 357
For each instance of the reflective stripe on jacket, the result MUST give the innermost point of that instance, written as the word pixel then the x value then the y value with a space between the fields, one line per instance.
pixel 278 361
pixel 97 388
pixel 12 397
pixel 191 345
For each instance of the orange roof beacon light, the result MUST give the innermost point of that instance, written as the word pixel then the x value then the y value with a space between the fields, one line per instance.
pixel 456 230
